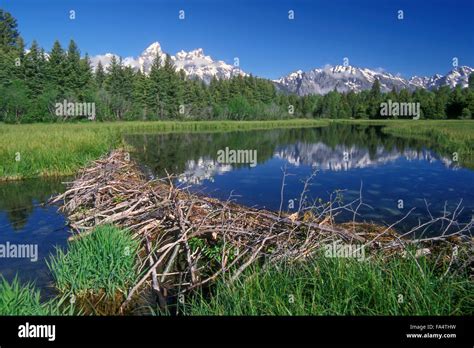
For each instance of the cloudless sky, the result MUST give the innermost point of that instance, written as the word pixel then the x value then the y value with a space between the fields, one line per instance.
pixel 259 32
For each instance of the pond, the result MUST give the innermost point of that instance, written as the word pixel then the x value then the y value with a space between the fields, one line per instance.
pixel 391 171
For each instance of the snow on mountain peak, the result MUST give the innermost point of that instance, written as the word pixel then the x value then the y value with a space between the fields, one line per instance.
pixel 155 47
pixel 194 63
pixel 458 75
pixel 198 53
pixel 342 78
pixel 350 78
pixel 347 69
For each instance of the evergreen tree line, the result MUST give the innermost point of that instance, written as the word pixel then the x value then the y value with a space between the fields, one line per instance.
pixel 33 81
pixel 441 103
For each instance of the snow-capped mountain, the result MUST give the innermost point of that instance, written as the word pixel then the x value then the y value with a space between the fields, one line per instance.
pixel 194 63
pixel 349 78
pixel 342 78
pixel 456 76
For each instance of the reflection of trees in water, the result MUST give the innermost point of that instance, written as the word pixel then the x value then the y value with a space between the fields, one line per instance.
pixel 173 151
pixel 18 198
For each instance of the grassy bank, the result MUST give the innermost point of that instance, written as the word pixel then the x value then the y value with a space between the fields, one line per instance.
pixel 451 136
pixel 340 286
pixel 446 136
pixel 35 150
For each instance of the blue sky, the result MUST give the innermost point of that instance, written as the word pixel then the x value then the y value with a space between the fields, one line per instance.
pixel 260 34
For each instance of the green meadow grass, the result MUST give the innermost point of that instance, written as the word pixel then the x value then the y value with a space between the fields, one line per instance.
pixel 452 135
pixel 447 136
pixel 104 262
pixel 339 286
pixel 17 299
pixel 57 149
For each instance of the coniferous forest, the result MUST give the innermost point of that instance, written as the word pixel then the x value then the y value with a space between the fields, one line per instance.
pixel 32 81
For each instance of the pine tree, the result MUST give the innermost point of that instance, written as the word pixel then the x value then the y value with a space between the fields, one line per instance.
pixel 141 95
pixel 56 68
pixel 171 92
pixel 441 100
pixel 99 75
pixel 456 103
pixel 84 79
pixel 157 88
pixel 73 69
pixel 471 81
pixel 114 86
pixel 8 32
pixel 34 70
pixel 375 98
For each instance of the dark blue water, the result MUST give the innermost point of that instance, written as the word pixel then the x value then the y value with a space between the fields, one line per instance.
pixel 396 174
pixel 25 220
pixel 383 186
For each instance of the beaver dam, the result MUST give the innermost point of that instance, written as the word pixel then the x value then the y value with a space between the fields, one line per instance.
pixel 188 241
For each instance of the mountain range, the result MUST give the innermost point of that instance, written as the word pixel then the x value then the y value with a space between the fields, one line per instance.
pixel 349 78
pixel 196 64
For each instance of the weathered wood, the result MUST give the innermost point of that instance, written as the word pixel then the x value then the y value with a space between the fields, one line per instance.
pixel 113 190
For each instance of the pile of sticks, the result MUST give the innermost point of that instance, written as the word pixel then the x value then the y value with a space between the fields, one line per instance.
pixel 169 220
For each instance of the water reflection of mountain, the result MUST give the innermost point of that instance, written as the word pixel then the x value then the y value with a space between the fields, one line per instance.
pixel 319 156
pixel 202 169
pixel 341 157
pixel 194 155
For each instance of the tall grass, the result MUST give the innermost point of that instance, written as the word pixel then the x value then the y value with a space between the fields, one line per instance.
pixel 102 263
pixel 446 136
pixel 339 286
pixel 453 136
pixel 32 150
pixel 17 299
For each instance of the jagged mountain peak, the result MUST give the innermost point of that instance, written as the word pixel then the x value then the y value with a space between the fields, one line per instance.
pixel 197 53
pixel 194 63
pixel 342 69
pixel 155 47
pixel 457 75
pixel 343 78
pixel 350 78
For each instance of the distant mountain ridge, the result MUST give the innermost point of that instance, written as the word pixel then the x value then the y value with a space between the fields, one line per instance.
pixel 196 64
pixel 349 78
